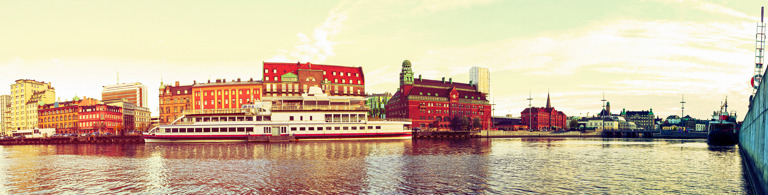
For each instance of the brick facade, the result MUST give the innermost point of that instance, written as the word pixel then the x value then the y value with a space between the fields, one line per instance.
pixel 430 104
pixel 293 79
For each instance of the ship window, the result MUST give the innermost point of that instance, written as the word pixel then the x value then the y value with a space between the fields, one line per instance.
pixel 378 127
pixel 346 128
pixel 328 128
pixel 267 129
pixel 336 128
pixel 248 118
pixel 290 118
pixel 267 118
pixel 319 128
pixel 370 127
pixel 167 130
pixel 311 128
pixel 199 130
pixel 215 129
pixel 232 129
pixel 353 128
pixel 310 118
pixel 293 128
pixel 206 130
pixel 301 118
pixel 174 130
pixel 362 127
pixel 302 128
pixel 241 129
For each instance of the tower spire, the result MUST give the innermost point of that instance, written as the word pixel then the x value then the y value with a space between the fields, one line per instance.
pixel 548 104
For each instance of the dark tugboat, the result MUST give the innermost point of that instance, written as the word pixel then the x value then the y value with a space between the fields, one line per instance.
pixel 722 129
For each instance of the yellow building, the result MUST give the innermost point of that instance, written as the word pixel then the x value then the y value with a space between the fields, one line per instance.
pixel 26 97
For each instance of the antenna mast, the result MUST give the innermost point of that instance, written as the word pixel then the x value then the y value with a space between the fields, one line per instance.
pixel 759 49
pixel 530 125
pixel 682 108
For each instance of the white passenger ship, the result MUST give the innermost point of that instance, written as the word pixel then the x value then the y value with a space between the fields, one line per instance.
pixel 312 115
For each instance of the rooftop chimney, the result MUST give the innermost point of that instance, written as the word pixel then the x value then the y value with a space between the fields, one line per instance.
pixel 450 80
pixel 238 79
pixel 443 79
pixel 218 80
pixel 177 83
pixel 209 80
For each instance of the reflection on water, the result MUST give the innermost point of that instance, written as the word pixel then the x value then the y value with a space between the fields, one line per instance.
pixel 504 166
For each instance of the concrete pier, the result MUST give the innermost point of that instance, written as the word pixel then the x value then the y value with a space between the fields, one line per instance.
pixel 752 139
pixel 74 140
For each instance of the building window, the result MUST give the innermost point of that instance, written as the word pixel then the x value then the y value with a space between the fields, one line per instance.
pixel 266 70
pixel 274 78
pixel 334 73
pixel 274 70
pixel 267 78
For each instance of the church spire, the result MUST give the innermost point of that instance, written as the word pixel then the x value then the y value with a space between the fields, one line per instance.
pixel 548 105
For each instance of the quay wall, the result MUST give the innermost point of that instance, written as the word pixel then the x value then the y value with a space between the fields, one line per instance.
pixel 74 140
pixel 752 139
pixel 515 134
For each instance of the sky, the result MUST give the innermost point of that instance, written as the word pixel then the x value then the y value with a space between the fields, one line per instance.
pixel 644 54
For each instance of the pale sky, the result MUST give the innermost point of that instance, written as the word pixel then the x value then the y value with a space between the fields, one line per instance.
pixel 642 54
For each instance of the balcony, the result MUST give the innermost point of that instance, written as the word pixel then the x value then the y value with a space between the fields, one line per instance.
pixel 318 107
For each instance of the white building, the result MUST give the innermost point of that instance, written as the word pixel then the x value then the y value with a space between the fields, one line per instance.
pixel 135 93
pixel 481 77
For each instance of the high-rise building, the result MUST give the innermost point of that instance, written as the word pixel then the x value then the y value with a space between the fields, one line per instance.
pixel 5 106
pixel 26 96
pixel 135 93
pixel 431 104
pixel 293 79
pixel 481 77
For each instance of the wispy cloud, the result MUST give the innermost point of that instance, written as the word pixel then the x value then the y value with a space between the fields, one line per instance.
pixel 319 46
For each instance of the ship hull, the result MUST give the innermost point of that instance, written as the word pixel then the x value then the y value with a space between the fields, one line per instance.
pixel 722 138
pixel 301 137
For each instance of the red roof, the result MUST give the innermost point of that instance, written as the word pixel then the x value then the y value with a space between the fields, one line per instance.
pixel 277 69
pixel 443 84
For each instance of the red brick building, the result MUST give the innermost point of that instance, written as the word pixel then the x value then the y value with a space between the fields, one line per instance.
pixel 64 116
pixel 223 94
pixel 430 104
pixel 544 118
pixel 293 79
pixel 100 118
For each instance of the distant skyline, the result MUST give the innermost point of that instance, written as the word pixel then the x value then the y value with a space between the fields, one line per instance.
pixel 642 54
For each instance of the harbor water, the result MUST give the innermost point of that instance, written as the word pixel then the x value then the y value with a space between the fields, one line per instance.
pixel 494 166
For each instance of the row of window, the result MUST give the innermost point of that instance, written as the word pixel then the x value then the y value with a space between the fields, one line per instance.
pixel 266 129
pixel 208 129
pixel 227 92
pixel 349 74
pixel 334 128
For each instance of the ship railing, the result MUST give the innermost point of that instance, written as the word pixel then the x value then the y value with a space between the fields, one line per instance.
pixel 216 111
pixel 319 107
pixel 390 119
